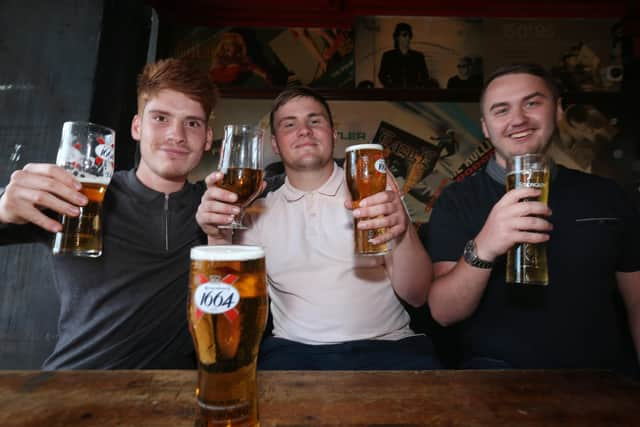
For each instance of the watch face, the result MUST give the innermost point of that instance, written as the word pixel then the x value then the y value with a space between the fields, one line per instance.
pixel 469 249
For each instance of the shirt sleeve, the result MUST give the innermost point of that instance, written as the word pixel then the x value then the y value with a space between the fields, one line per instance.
pixel 629 255
pixel 446 233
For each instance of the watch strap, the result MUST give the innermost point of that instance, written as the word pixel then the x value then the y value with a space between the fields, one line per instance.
pixel 471 256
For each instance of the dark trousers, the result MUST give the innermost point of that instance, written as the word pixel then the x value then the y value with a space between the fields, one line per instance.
pixel 413 353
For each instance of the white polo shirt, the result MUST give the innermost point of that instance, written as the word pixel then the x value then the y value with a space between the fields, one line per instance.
pixel 321 293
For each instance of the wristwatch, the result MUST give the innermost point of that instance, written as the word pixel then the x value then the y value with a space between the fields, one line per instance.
pixel 471 257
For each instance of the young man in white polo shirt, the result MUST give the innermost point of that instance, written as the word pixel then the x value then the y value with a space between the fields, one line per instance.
pixel 331 309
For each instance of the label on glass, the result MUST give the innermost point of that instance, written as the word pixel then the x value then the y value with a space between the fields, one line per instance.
pixel 380 166
pixel 216 297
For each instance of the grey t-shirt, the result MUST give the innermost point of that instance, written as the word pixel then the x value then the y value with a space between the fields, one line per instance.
pixel 127 308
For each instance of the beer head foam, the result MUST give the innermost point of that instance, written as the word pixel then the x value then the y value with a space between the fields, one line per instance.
pixel 226 253
pixel 104 180
pixel 364 147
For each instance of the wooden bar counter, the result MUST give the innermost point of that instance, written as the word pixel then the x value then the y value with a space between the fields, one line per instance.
pixel 304 398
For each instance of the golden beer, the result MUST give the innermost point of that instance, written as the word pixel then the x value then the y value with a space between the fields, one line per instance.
pixel 527 262
pixel 227 311
pixel 244 182
pixel 82 235
pixel 366 174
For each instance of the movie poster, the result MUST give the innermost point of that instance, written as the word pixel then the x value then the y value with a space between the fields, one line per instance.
pixel 259 57
pixel 419 52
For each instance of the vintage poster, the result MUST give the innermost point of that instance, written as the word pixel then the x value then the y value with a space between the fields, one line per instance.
pixel 427 145
pixel 584 55
pixel 419 52
pixel 270 57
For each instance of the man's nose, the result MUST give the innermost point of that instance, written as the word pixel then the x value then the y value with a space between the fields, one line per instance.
pixel 518 117
pixel 177 132
pixel 304 129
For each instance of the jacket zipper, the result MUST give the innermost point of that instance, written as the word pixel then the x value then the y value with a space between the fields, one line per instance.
pixel 166 222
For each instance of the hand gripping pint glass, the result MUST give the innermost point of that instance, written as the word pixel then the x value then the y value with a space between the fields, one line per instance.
pixel 527 262
pixel 87 151
pixel 366 174
pixel 227 312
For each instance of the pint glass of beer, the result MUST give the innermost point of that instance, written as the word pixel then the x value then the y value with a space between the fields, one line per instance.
pixel 527 262
pixel 87 151
pixel 241 164
pixel 366 174
pixel 227 312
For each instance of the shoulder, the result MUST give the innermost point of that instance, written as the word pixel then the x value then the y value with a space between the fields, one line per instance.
pixel 577 185
pixel 120 180
pixel 471 183
pixel 390 54
pixel 573 177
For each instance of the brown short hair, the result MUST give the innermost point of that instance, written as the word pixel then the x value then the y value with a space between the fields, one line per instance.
pixel 181 76
pixel 297 92
pixel 524 68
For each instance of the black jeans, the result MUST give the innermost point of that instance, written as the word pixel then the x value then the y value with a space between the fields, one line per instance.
pixel 413 353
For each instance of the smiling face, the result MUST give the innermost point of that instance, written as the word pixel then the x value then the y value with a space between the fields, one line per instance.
pixel 173 134
pixel 303 135
pixel 519 115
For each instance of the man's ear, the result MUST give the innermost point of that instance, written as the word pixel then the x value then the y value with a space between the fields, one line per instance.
pixel 135 127
pixel 485 131
pixel 274 145
pixel 209 140
pixel 559 111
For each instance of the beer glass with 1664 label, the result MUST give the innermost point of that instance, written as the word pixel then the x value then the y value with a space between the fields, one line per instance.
pixel 366 174
pixel 87 151
pixel 227 311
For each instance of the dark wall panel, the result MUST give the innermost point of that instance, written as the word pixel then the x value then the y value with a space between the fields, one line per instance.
pixel 59 61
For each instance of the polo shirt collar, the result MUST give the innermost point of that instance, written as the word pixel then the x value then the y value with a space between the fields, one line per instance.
pixel 329 188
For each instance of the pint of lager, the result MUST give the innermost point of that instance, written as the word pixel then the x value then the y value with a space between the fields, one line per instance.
pixel 527 262
pixel 227 311
pixel 241 164
pixel 87 151
pixel 366 174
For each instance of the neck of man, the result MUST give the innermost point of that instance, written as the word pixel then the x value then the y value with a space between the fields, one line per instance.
pixel 309 179
pixel 158 183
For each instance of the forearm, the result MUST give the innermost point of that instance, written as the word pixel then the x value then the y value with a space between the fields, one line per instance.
pixel 634 324
pixel 410 268
pixel 456 291
pixel 629 286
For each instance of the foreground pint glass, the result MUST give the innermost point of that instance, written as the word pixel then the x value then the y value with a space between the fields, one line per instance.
pixel 527 262
pixel 366 174
pixel 87 151
pixel 227 312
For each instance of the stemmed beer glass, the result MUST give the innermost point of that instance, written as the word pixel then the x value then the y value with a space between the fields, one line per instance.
pixel 241 164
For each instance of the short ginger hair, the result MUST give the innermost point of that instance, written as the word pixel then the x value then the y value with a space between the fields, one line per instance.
pixel 179 75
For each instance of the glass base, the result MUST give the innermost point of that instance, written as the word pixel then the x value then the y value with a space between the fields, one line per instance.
pixel 84 254
pixel 233 226
pixel 379 253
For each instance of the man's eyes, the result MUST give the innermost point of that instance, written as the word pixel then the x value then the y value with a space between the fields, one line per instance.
pixel 287 124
